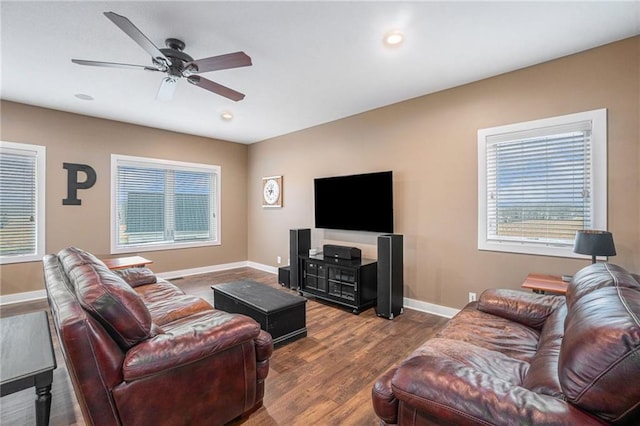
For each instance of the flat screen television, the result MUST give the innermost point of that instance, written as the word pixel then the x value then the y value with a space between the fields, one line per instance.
pixel 362 202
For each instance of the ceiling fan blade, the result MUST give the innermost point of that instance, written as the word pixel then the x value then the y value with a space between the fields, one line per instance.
pixel 222 62
pixel 167 88
pixel 216 88
pixel 132 31
pixel 114 65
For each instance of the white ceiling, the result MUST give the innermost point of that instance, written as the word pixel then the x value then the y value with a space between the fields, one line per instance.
pixel 313 62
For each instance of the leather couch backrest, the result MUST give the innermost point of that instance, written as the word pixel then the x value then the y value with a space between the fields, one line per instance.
pixel 598 275
pixel 107 297
pixel 94 359
pixel 600 352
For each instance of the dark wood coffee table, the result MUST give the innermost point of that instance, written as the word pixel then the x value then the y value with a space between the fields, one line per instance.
pixel 27 359
pixel 279 312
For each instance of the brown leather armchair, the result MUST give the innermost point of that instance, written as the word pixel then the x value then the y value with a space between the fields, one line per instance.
pixel 140 351
pixel 516 358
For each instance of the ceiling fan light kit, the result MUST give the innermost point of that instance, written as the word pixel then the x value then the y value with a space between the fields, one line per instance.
pixel 175 63
pixel 167 88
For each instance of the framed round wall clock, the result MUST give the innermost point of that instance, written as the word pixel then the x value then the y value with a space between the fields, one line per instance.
pixel 272 191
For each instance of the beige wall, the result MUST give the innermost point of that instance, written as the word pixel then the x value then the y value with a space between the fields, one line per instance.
pixel 75 138
pixel 430 144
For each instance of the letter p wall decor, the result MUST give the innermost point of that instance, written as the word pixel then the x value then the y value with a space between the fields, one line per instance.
pixel 73 184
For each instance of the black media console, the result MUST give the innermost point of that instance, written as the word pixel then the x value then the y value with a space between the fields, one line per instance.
pixel 348 282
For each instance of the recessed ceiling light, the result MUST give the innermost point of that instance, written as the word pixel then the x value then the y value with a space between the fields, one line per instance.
pixel 83 96
pixel 226 116
pixel 393 38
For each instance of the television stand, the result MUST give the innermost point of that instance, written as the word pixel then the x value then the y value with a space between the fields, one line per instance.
pixel 350 283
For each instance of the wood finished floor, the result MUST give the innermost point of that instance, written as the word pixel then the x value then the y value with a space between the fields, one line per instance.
pixel 322 379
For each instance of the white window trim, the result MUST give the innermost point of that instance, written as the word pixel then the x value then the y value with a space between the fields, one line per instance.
pixel 598 181
pixel 41 160
pixel 145 161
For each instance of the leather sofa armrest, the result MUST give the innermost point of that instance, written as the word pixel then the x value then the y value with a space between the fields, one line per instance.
pixel 264 346
pixel 385 403
pixel 188 344
pixel 136 277
pixel 264 349
pixel 452 393
pixel 530 309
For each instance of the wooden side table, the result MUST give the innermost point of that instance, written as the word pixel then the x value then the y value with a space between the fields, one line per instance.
pixel 542 284
pixel 126 262
pixel 28 359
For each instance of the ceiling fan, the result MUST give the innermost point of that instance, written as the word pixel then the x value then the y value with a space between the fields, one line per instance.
pixel 175 63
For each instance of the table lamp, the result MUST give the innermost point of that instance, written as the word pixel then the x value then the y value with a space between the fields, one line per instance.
pixel 594 243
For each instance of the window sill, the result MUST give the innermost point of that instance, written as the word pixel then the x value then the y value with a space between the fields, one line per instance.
pixel 539 250
pixel 161 247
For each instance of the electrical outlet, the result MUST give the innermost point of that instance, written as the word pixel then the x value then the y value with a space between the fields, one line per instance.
pixel 472 297
pixel 279 260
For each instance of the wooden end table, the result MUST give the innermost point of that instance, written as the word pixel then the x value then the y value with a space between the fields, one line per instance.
pixel 27 359
pixel 127 262
pixel 541 283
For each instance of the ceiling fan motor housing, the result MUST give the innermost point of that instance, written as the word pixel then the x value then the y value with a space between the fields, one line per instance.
pixel 178 58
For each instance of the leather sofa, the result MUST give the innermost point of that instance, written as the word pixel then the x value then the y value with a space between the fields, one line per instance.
pixel 139 351
pixel 517 358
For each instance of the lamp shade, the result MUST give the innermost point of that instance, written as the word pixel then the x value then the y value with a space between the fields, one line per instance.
pixel 594 243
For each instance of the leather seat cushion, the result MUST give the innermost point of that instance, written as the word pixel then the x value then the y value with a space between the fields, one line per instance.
pixel 492 332
pixel 167 303
pixel 474 358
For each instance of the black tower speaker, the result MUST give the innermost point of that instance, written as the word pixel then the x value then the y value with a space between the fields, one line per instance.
pixel 299 243
pixel 283 275
pixel 390 276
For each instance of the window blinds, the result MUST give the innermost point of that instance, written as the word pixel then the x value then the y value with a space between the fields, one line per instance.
pixel 539 184
pixel 18 202
pixel 164 204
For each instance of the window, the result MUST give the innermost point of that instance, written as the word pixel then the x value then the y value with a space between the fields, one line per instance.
pixel 161 204
pixel 541 181
pixel 22 178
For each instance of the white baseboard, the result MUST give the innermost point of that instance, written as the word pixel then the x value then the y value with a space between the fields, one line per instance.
pixel 416 305
pixel 430 308
pixel 171 275
pixel 261 267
